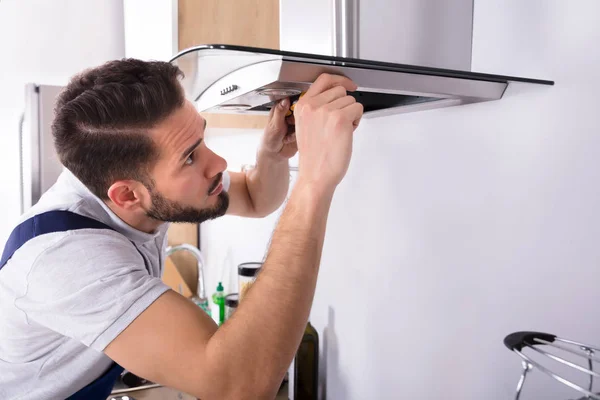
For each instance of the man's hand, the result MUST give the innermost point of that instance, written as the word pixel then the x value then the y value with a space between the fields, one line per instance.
pixel 326 117
pixel 279 139
pixel 261 190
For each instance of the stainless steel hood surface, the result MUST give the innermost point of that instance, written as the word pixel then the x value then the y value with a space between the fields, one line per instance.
pixel 248 80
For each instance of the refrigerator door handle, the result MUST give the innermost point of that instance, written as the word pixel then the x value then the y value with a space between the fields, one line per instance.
pixel 30 148
pixel 21 162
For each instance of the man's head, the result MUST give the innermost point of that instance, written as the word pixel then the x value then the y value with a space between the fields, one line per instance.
pixel 126 131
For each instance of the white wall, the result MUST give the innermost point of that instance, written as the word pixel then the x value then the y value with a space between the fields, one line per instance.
pixel 455 227
pixel 46 42
pixel 470 223
pixel 150 29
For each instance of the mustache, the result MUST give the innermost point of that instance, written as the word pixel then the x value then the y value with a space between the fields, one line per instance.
pixel 216 183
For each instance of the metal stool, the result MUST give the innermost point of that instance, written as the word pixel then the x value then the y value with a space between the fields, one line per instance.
pixel 518 341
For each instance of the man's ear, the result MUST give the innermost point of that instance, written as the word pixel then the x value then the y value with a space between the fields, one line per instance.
pixel 129 195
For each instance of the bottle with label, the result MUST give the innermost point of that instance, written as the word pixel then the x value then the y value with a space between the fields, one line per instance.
pixel 304 371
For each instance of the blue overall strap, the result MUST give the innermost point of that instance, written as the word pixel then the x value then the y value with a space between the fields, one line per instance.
pixel 99 389
pixel 61 221
pixel 48 222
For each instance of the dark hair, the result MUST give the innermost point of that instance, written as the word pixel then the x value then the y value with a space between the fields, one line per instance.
pixel 103 115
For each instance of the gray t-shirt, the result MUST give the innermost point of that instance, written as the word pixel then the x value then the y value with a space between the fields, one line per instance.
pixel 65 296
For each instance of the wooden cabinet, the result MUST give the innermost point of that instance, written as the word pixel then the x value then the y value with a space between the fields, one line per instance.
pixel 185 263
pixel 240 22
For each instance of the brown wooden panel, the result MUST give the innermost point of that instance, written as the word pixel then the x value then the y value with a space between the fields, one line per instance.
pixel 240 22
pixel 185 262
pixel 174 280
pixel 235 121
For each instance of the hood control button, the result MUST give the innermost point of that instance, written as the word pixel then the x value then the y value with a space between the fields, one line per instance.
pixel 229 89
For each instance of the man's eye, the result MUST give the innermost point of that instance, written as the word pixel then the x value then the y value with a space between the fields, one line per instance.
pixel 189 160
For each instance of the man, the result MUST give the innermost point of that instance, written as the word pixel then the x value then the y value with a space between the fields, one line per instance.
pixel 74 300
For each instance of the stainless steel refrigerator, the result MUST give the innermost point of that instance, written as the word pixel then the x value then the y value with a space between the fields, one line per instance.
pixel 39 164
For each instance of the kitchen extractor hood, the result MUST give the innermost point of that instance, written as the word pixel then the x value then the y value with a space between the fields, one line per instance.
pixel 248 80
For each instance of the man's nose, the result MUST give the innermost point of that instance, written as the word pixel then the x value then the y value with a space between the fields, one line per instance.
pixel 216 164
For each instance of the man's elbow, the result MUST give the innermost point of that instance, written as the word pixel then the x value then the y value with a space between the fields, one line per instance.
pixel 264 204
pixel 264 210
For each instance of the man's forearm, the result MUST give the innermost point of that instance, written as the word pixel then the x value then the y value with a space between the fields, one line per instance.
pixel 268 183
pixel 258 342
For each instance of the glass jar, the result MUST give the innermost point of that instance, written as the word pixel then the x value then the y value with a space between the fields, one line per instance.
pixel 247 273
pixel 231 303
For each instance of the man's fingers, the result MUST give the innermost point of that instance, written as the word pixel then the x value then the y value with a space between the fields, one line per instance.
pixel 328 96
pixel 277 125
pixel 327 81
pixel 340 103
pixel 354 112
pixel 289 138
pixel 278 112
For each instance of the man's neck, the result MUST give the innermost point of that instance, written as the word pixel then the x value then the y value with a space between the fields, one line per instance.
pixel 141 222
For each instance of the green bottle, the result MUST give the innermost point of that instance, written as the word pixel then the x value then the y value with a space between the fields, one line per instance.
pixel 219 299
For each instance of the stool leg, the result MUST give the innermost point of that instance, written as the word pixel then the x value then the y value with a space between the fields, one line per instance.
pixel 526 368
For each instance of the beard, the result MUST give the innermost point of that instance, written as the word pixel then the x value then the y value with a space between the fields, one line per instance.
pixel 166 210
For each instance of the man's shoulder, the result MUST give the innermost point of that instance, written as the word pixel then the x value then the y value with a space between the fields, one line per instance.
pixel 81 250
pixel 83 243
pixel 71 260
pixel 75 259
